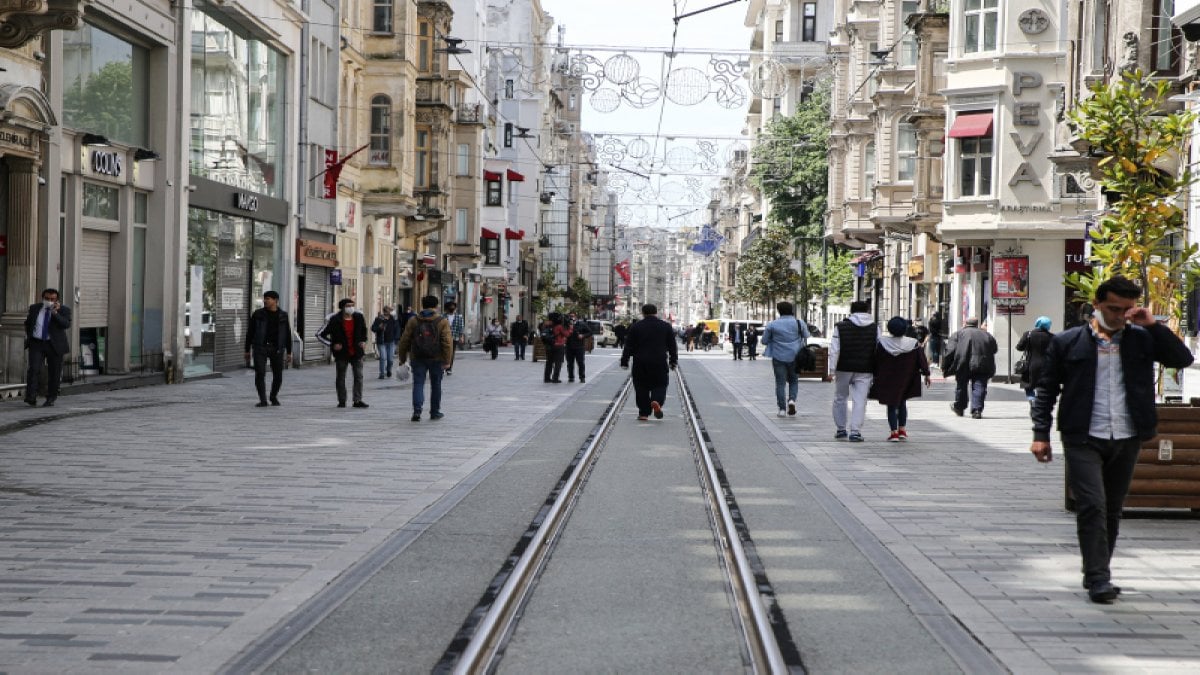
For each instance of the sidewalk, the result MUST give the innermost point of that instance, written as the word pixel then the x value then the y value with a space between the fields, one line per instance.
pixel 169 526
pixel 965 508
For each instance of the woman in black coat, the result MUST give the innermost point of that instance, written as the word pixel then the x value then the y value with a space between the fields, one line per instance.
pixel 1034 343
pixel 900 364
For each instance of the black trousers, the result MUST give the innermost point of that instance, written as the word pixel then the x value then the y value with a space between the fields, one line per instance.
pixel 644 393
pixel 575 356
pixel 554 363
pixel 1099 472
pixel 737 351
pixel 41 351
pixel 262 357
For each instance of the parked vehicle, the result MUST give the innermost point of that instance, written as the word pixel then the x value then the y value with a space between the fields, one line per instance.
pixel 602 332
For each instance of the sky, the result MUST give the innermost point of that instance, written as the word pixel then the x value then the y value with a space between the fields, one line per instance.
pixel 600 29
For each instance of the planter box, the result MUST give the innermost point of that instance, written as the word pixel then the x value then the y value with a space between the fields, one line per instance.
pixel 821 370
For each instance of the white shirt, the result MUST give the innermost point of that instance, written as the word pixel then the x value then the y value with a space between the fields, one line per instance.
pixel 1110 412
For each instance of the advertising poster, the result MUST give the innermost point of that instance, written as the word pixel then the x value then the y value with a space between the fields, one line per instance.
pixel 1010 277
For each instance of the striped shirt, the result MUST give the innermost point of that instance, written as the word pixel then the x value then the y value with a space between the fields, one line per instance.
pixel 1110 411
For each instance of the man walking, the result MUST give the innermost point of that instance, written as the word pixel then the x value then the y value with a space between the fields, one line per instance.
pixel 621 331
pixel 1104 372
pixel 519 334
pixel 651 344
pixel 457 332
pixel 346 333
pixel 971 358
pixel 46 340
pixel 737 337
pixel 852 360
pixel 784 338
pixel 387 330
pixel 268 339
pixel 576 347
pixel 427 342
pixel 937 337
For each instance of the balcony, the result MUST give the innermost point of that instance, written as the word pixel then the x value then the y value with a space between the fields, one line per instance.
pixel 470 113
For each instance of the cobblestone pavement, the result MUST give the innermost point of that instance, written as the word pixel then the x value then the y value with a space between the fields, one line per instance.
pixel 967 510
pixel 167 527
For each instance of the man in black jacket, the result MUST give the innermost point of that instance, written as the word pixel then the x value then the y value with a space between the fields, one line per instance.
pixel 577 347
pixel 651 344
pixel 46 339
pixel 1101 422
pixel 971 358
pixel 387 331
pixel 345 332
pixel 519 334
pixel 268 338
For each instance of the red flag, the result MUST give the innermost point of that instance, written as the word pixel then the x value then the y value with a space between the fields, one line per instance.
pixel 622 268
pixel 333 170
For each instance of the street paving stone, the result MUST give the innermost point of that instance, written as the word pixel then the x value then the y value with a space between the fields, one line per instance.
pixel 981 525
pixel 170 526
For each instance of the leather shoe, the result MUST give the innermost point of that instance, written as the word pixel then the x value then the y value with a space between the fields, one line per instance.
pixel 31 401
pixel 49 403
pixel 361 404
pixel 341 404
pixel 261 404
pixel 1103 592
pixel 957 411
pixel 274 401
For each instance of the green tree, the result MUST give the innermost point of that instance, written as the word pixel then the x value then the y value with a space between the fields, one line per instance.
pixel 580 295
pixel 1143 167
pixel 104 103
pixel 791 166
pixel 764 272
pixel 549 293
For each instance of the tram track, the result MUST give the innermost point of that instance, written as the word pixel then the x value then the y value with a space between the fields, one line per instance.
pixel 480 644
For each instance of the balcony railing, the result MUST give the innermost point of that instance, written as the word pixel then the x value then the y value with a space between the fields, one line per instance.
pixel 470 113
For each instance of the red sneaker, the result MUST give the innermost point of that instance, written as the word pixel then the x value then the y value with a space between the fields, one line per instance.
pixel 657 408
pixel 903 434
pixel 894 438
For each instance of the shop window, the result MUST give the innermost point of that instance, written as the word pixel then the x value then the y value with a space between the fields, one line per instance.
pixel 975 166
pixel 101 201
pixel 381 130
pixel 981 20
pixel 906 152
pixel 1167 40
pixel 808 29
pixel 424 157
pixel 424 45
pixel 381 19
pixel 105 85
pixel 494 194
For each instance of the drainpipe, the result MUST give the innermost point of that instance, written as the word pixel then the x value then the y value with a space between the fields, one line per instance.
pixel 302 169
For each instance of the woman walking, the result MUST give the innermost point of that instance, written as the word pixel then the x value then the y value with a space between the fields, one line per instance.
pixel 899 367
pixel 493 337
pixel 1034 343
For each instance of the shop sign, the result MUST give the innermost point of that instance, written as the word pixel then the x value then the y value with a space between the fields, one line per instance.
pixel 1075 257
pixel 1026 114
pixel 245 201
pixel 916 268
pixel 1010 277
pixel 335 277
pixel 316 253
pixel 106 163
pixel 19 140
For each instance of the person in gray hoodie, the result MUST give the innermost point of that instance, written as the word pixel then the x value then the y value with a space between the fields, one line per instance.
pixel 783 339
pixel 852 362
pixel 899 365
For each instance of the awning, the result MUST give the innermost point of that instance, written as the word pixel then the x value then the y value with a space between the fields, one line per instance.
pixel 866 256
pixel 514 176
pixel 491 175
pixel 510 233
pixel 489 234
pixel 972 125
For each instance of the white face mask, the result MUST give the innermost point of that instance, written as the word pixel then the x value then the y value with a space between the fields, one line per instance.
pixel 348 310
pixel 47 303
pixel 1104 324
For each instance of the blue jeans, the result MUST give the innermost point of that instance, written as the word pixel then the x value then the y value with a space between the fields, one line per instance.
pixel 897 415
pixel 785 374
pixel 973 387
pixel 435 369
pixel 387 354
pixel 519 348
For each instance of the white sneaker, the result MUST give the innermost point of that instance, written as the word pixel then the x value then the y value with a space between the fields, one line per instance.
pixel 781 413
pixel 791 409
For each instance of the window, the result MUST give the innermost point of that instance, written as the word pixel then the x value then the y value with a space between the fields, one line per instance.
pixel 1099 35
pixel 508 134
pixel 572 101
pixel 777 106
pixel 101 201
pixel 508 88
pixel 491 251
pixel 141 208
pixel 906 152
pixel 980 21
pixel 105 85
pixel 975 166
pixel 424 46
pixel 808 29
pixel 908 43
pixel 1168 41
pixel 424 157
pixel 779 31
pixel 494 195
pixel 463 157
pixel 460 226
pixel 381 130
pixel 381 20
pixel 869 171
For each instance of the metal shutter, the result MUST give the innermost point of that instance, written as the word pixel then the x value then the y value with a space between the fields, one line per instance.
pixel 316 306
pixel 93 279
pixel 233 307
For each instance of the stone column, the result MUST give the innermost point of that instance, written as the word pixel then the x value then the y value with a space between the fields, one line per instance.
pixel 21 288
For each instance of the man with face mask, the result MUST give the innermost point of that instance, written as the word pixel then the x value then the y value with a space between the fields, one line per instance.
pixel 46 328
pixel 1104 372
pixel 345 332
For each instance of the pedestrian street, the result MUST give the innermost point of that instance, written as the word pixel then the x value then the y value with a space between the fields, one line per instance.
pixel 180 529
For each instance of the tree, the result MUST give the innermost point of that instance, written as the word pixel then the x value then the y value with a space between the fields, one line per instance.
pixel 764 271
pixel 547 299
pixel 791 165
pixel 1142 234
pixel 580 294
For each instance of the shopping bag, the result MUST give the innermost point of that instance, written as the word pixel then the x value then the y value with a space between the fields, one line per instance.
pixel 404 373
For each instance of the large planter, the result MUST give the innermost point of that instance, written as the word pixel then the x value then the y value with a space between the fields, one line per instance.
pixel 820 369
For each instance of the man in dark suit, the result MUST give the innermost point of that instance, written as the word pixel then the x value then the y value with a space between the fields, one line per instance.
pixel 46 339
pixel 651 344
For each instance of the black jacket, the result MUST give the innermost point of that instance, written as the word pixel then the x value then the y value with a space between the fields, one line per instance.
pixel 256 332
pixel 971 352
pixel 332 334
pixel 519 331
pixel 1070 369
pixel 1034 343
pixel 60 321
pixel 386 329
pixel 579 331
pixel 651 345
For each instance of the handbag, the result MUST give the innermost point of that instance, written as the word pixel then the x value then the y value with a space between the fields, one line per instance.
pixel 805 360
pixel 1022 367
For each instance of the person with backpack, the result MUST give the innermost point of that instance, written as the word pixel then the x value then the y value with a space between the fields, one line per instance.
pixel 428 343
pixel 554 335
pixel 345 332
pixel 899 365
pixel 852 361
pixel 783 340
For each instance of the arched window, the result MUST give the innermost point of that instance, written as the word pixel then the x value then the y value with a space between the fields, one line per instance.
pixel 381 130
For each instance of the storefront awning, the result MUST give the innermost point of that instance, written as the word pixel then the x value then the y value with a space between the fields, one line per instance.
pixel 510 233
pixel 972 125
pixel 489 234
pixel 491 175
pixel 514 176
pixel 866 256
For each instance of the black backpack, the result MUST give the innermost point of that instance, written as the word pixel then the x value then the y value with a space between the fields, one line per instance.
pixel 427 343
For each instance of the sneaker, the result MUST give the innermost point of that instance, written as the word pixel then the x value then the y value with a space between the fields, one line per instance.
pixel 840 435
pixel 361 404
pixel 1102 592
pixel 657 408
pixel 894 438
pixel 903 434
pixel 416 416
pixel 341 404
pixel 382 376
pixel 31 401
pixel 957 411
pixel 781 413
pixel 582 380
pixel 855 437
pixel 449 371
pixel 570 379
pixel 436 416
pixel 261 404
pixel 643 418
pixel 976 415
pixel 791 407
